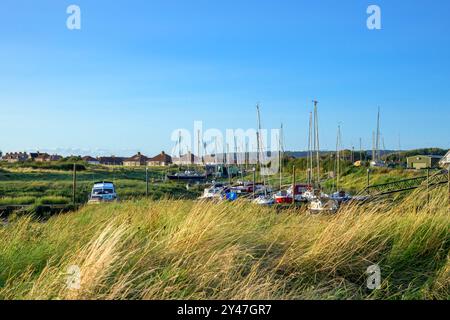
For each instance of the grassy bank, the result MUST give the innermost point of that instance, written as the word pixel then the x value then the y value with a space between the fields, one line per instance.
pixel 22 184
pixel 353 179
pixel 186 250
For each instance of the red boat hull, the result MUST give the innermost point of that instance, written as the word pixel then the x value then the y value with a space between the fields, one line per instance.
pixel 283 200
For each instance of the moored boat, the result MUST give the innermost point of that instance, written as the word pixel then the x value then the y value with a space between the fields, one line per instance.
pixel 216 191
pixel 283 197
pixel 187 176
pixel 264 200
pixel 323 205
pixel 341 196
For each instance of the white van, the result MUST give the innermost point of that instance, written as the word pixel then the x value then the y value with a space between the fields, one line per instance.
pixel 103 192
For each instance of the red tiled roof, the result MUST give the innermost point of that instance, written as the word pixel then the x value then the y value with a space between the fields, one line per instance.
pixel 137 158
pixel 162 157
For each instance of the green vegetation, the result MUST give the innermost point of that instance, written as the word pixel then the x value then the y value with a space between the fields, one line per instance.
pixel 20 185
pixel 402 156
pixel 65 164
pixel 17 201
pixel 24 184
pixel 353 179
pixel 180 249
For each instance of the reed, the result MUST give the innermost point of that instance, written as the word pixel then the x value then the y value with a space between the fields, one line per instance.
pixel 179 249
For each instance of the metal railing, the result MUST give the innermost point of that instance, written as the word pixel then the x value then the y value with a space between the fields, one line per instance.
pixel 440 177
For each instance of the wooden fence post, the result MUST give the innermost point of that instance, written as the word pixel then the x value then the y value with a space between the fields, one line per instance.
pixel 448 171
pixel 293 185
pixel 146 182
pixel 428 188
pixel 254 182
pixel 74 184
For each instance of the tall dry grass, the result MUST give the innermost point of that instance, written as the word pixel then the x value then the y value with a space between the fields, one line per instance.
pixel 187 250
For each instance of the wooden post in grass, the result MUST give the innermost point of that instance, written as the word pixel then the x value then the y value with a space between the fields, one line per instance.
pixel 254 182
pixel 74 184
pixel 368 178
pixel 293 184
pixel 146 182
pixel 448 170
pixel 428 188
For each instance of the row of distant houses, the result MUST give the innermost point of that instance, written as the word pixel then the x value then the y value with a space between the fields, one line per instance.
pixel 14 157
pixel 162 159
pixel 137 160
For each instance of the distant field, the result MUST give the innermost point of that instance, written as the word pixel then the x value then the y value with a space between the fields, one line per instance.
pixel 29 185
pixel 183 249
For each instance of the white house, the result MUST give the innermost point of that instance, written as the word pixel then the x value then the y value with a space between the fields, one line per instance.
pixel 445 161
pixel 91 160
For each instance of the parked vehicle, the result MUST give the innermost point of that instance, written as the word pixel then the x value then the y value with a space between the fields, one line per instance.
pixel 103 192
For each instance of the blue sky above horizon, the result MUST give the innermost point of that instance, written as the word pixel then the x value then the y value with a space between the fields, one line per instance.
pixel 137 70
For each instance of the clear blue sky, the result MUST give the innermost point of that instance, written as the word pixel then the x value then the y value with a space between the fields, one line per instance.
pixel 137 70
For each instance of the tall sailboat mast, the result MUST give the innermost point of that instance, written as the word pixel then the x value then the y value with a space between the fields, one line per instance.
pixel 338 157
pixel 378 155
pixel 198 148
pixel 179 147
pixel 374 155
pixel 310 150
pixel 360 150
pixel 216 152
pixel 261 151
pixel 258 136
pixel 227 163
pixel 281 155
pixel 317 141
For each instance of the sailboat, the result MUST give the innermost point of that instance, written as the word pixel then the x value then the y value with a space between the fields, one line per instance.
pixel 318 201
pixel 376 153
pixel 340 195
pixel 283 196
pixel 187 175
pixel 215 192
pixel 266 198
pixel 323 205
